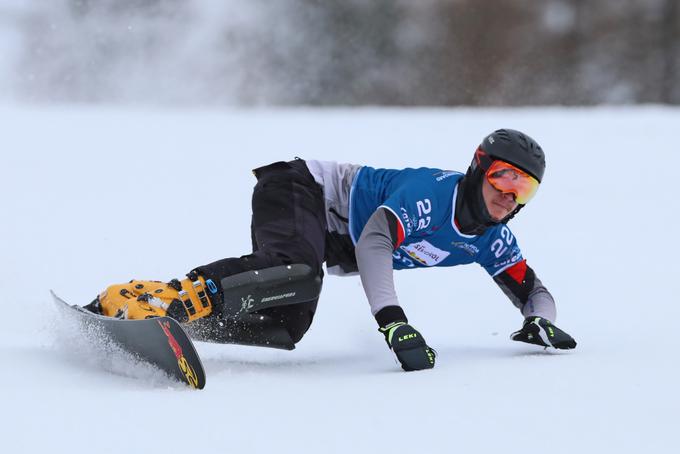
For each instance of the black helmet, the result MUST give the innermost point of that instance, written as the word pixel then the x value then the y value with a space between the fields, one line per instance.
pixel 506 145
pixel 516 148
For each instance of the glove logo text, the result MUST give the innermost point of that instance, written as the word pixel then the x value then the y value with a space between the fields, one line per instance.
pixel 408 337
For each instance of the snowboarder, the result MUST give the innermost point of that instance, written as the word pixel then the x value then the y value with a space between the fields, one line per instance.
pixel 358 219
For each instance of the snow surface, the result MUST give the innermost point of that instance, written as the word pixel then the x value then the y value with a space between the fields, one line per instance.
pixel 93 197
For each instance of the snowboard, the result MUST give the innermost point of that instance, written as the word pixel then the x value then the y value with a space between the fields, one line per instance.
pixel 159 341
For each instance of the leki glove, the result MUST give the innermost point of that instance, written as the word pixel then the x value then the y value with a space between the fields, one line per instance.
pixel 408 346
pixel 539 331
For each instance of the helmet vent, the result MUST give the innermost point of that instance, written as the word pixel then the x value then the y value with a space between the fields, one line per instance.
pixel 502 134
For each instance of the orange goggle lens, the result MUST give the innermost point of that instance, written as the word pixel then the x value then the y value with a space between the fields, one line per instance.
pixel 509 179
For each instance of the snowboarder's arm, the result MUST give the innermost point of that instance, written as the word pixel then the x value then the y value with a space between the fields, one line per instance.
pixel 380 237
pixel 527 293
pixel 374 251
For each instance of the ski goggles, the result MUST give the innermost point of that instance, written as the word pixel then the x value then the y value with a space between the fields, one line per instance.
pixel 509 179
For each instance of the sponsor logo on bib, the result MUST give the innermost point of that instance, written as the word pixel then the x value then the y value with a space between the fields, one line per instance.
pixel 425 253
pixel 469 248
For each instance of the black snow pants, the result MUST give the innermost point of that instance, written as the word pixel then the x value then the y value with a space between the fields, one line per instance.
pixel 288 226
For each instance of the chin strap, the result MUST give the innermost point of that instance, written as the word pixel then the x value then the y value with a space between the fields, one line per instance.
pixel 512 215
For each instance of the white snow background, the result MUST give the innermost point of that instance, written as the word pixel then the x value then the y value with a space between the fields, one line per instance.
pixel 92 197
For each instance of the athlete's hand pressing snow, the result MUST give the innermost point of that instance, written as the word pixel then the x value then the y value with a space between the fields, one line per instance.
pixel 539 331
pixel 409 346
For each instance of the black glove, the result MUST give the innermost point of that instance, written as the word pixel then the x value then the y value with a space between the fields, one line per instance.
pixel 409 346
pixel 539 331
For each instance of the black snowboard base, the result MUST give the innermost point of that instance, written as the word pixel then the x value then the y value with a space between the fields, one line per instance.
pixel 159 341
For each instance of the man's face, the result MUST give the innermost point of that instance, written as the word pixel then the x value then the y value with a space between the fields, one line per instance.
pixel 498 205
